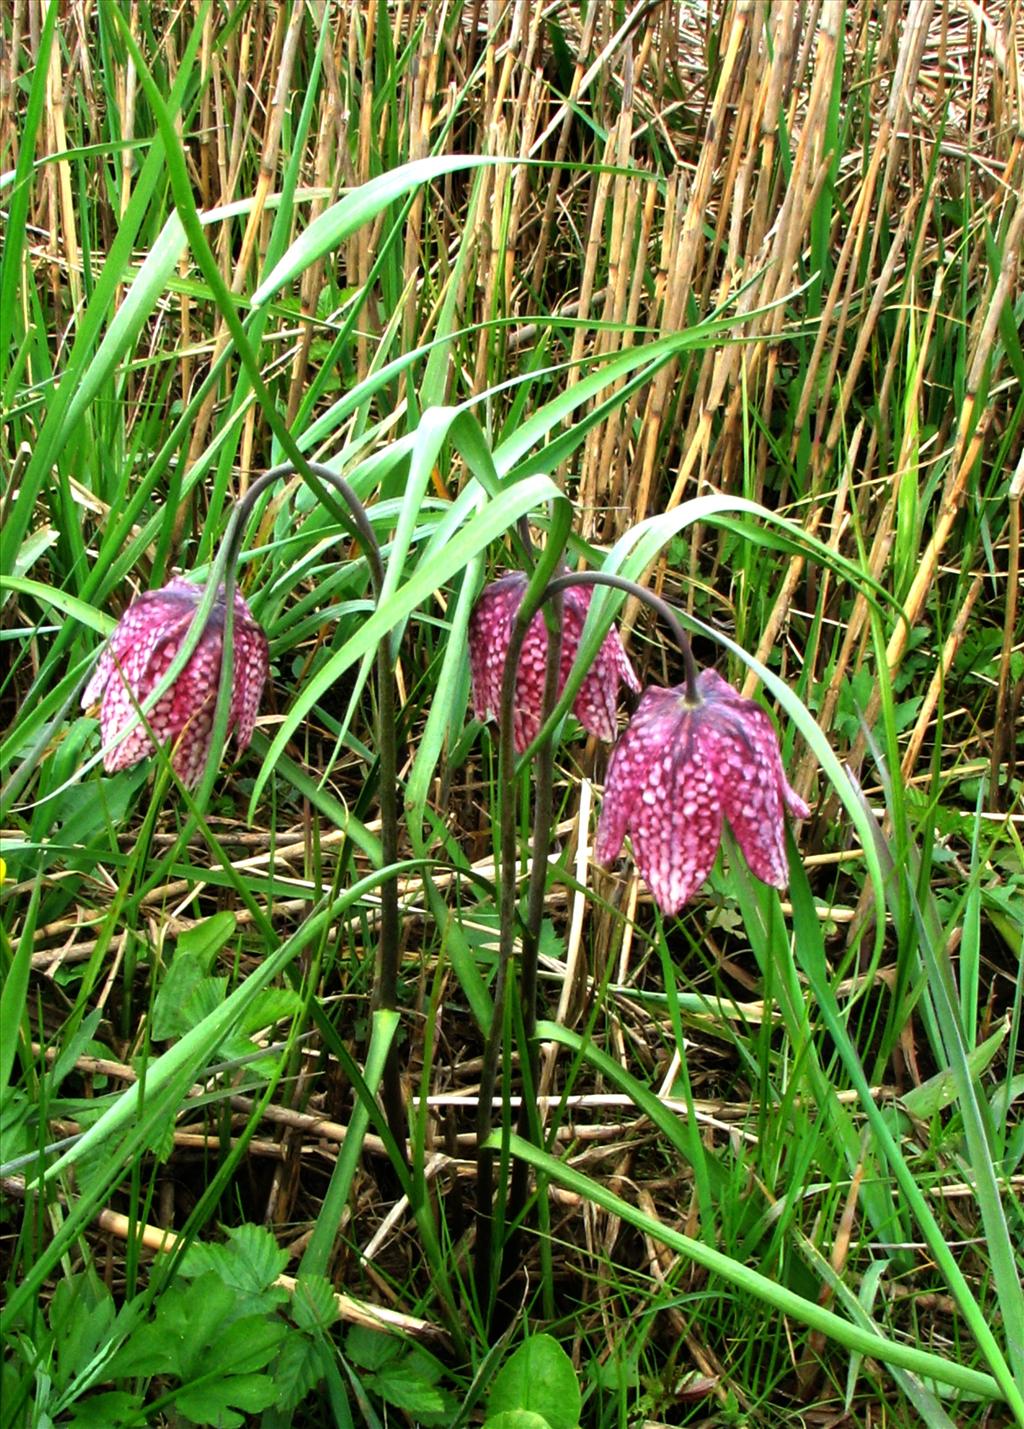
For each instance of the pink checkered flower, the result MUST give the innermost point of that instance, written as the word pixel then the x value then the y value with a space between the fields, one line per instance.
pixel 139 653
pixel 490 630
pixel 677 771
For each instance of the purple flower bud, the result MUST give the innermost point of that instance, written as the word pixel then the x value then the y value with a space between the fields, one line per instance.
pixel 139 653
pixel 677 771
pixel 490 629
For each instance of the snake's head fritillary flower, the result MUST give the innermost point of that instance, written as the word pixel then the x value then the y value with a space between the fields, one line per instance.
pixel 677 771
pixel 139 653
pixel 490 629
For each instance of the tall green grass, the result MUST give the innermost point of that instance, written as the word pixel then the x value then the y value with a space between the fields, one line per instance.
pixel 737 293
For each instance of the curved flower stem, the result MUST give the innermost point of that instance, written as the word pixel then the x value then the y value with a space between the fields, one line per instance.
pixel 536 592
pixel 529 551
pixel 385 993
pixel 544 777
pixel 545 755
pixel 507 919
pixel 659 606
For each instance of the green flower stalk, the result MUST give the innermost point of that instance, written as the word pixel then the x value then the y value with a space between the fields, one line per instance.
pixel 157 639
pixel 690 757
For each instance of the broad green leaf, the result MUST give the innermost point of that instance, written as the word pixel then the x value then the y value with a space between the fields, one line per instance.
pixel 540 1377
pixel 517 1419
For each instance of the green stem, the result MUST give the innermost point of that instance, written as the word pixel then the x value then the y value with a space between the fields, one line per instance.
pixel 659 606
pixel 385 994
pixel 544 761
pixel 533 596
pixel 543 818
pixel 543 822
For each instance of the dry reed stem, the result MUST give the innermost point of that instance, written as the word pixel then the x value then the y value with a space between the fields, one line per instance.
pixel 780 610
pixel 950 649
pixel 970 438
pixel 727 172
pixel 1007 711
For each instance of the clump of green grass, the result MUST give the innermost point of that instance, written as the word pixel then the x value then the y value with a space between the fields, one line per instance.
pixel 649 266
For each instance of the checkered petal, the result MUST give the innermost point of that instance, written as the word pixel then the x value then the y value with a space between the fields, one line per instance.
pixel 674 774
pixel 490 630
pixel 744 747
pixel 251 666
pixel 139 654
pixel 151 619
pixel 660 789
pixel 596 704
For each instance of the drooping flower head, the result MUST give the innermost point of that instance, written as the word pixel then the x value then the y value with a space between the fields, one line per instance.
pixel 490 630
pixel 679 769
pixel 139 653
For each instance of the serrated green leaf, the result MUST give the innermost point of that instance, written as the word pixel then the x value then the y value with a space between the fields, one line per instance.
pixel 171 1014
pixel 174 1011
pixel 214 1403
pixel 81 1317
pixel 423 1363
pixel 400 1385
pixel 188 1001
pixel 300 1365
pixel 250 1260
pixel 189 1317
pixel 372 1349
pixel 149 1351
pixel 106 1411
pixel 274 1004
pixel 313 1304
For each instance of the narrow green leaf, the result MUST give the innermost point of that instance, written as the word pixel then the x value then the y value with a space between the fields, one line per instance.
pixel 752 1282
pixel 357 208
pixel 482 528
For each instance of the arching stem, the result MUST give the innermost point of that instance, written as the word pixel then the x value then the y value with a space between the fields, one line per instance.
pixel 385 992
pixel 542 826
pixel 660 607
